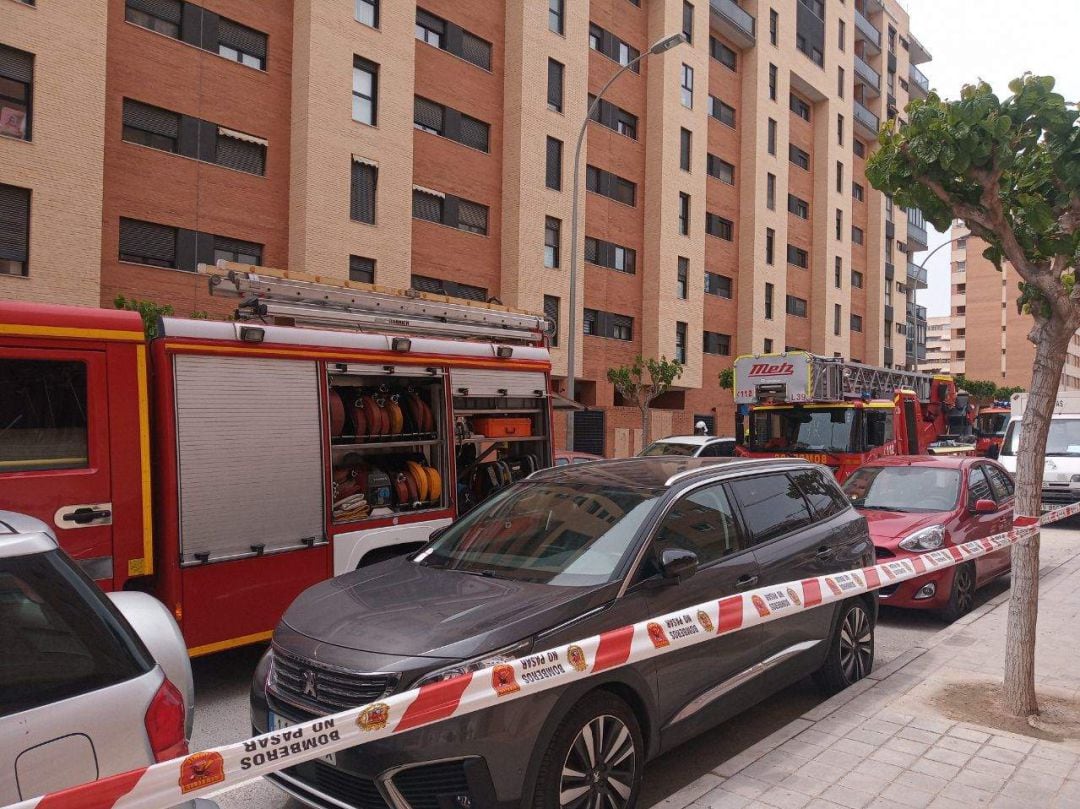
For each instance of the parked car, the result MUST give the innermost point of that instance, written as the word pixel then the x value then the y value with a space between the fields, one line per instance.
pixel 90 684
pixel 565 554
pixel 920 503
pixel 692 446
pixel 563 457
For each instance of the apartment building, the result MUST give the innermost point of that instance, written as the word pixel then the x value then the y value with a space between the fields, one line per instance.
pixel 430 144
pixel 938 346
pixel 988 339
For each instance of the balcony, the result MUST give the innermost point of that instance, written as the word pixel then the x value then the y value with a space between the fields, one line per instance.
pixel 869 122
pixel 920 314
pixel 890 271
pixel 916 275
pixel 919 86
pixel 888 313
pixel 917 52
pixel 868 32
pixel 916 237
pixel 869 77
pixel 735 23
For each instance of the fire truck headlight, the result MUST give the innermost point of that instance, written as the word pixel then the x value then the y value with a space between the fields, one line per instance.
pixel 925 539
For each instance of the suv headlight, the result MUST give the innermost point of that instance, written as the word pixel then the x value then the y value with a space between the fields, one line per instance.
pixel 925 539
pixel 505 655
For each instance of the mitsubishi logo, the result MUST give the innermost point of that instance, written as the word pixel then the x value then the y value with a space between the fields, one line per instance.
pixel 309 684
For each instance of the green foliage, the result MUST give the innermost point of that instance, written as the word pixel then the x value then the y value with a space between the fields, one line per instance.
pixel 148 311
pixel 984 391
pixel 200 314
pixel 727 379
pixel 631 382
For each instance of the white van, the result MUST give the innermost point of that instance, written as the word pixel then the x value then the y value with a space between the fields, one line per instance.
pixel 1061 473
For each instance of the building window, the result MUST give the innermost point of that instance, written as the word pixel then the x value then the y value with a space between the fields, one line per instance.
pixel 472 217
pixel 961 243
pixel 588 321
pixel 798 157
pixel 684 214
pixel 610 185
pixel 716 284
pixel 774 26
pixel 770 245
pixel 688 22
pixel 612 256
pixel 367 12
pixel 239 151
pixel 429 28
pixel 680 341
pixel 766 346
pixel 796 306
pixel 838 273
pixel 235 250
pixel 14 230
pixel 840 129
pixel 772 82
pixel 856 323
pixel 162 16
pixel 686 86
pixel 856 279
pixel 607 114
pixel 622 327
pixel 362 192
pixel 768 301
pixel 685 141
pixel 770 191
pixel 238 43
pixel 451 211
pixel 799 207
pixel 147 243
pixel 557 16
pixel 452 289
pixel 612 47
pixel 452 38
pixel 151 126
pixel 713 342
pixel 362 269
pixel 720 169
pixel 551 312
pixel 838 313
pixel 840 82
pixel 608 324
pixel 365 91
pixel 555 85
pixel 858 192
pixel 552 234
pixel 427 205
pixel 772 137
pixel 841 34
pixel 839 225
pixel 799 107
pixel 718 226
pixel 724 113
pixel 16 92
pixel 858 147
pixel 797 256
pixel 856 235
pixel 553 167
pixel 723 54
pixel 428 116
pixel 682 278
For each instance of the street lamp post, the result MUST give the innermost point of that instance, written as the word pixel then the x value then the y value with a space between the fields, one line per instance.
pixel 660 46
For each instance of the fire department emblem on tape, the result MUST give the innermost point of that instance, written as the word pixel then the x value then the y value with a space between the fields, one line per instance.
pixel 657 636
pixel 705 621
pixel 503 680
pixel 374 716
pixel 576 657
pixel 794 597
pixel 836 591
pixel 760 605
pixel 201 770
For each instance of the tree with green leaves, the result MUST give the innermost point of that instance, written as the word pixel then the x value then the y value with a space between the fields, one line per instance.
pixel 726 378
pixel 149 311
pixel 1010 169
pixel 631 383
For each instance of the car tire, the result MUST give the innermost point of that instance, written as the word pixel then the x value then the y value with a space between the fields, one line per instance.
pixel 961 594
pixel 571 774
pixel 851 650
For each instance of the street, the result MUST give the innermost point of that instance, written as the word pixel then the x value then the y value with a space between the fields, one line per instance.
pixel 222 683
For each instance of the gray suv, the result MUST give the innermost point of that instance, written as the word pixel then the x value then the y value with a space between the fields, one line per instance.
pixel 565 554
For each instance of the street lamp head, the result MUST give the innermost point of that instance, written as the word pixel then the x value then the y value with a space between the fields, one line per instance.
pixel 666 44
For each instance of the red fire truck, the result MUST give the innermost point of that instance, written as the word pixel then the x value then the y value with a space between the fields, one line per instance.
pixel 843 414
pixel 990 427
pixel 226 466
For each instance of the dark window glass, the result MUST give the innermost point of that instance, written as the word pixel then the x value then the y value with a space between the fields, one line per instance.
pixel 552 230
pixel 162 16
pixel 856 279
pixel 472 217
pixel 427 206
pixel 367 12
pixel 821 492
pixel 772 82
pixel 716 284
pixel 428 116
pixel 688 22
pixel 718 226
pixel 798 256
pixel 622 327
pixel 680 341
pixel 685 140
pixel 610 185
pixel 588 321
pixel 365 91
pixel 241 44
pixel 16 92
pixel 772 137
pixel 904 488
pixel 682 278
pixel 551 312
pixel 723 54
pixel 798 156
pixel 241 252
pixel 716 343
pixel 607 114
pixel 686 86
pixel 557 16
pixel 475 50
pixel 799 107
pixel 362 197
pixel 14 230
pixel 770 191
pixel 978 486
pixel 362 269
pixel 859 148
pixel 724 113
pixel 555 85
pixel 774 25
pixel 799 207
pixel 796 306
pixel 147 243
pixel 858 192
pixel 720 169
pixel 241 152
pixel 430 29
pixel 613 256
pixel 438 286
pixel 1000 482
pixel 771 505
pixel 553 169
pixel 856 235
pixel 856 323
pixel 703 523
pixel 684 213
pixel 770 245
pixel 44 416
pixel 768 302
pixel 612 47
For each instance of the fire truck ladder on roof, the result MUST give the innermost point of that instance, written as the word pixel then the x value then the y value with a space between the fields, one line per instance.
pixel 305 300
pixel 834 380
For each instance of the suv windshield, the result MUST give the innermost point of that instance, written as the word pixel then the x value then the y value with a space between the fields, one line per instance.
pixel 1063 440
pixel 904 488
pixel 799 429
pixel 548 533
pixel 669 448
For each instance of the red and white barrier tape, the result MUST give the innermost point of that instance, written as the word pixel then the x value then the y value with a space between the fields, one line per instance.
pixel 170 782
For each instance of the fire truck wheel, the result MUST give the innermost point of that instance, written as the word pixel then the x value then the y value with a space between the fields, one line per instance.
pixel 962 594
pixel 851 650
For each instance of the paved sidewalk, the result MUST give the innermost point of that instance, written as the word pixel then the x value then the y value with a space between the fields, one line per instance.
pixel 884 744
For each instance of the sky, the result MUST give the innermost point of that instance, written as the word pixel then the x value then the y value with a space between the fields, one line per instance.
pixel 995 41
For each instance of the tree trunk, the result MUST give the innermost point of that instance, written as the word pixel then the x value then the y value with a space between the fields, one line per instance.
pixel 644 426
pixel 1019 685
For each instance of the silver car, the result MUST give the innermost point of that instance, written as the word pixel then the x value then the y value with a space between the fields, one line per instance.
pixel 90 685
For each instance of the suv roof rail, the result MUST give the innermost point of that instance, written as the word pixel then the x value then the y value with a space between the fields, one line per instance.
pixel 697 470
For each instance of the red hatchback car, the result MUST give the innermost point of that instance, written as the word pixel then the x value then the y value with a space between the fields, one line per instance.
pixel 914 504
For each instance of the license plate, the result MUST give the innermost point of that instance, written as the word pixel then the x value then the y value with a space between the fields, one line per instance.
pixel 278 722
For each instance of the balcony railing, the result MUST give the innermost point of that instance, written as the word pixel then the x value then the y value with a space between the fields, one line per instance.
pixel 916 236
pixel 870 77
pixel 917 51
pixel 734 21
pixel 868 30
pixel 867 119
pixel 920 85
pixel 920 313
pixel 917 275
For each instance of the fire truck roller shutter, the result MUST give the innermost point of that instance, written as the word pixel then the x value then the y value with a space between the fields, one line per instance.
pixel 525 384
pixel 250 465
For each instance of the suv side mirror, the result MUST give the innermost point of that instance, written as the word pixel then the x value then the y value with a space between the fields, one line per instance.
pixel 984 506
pixel 677 564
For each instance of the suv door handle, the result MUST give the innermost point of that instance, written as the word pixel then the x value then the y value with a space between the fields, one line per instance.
pixel 745 581
pixel 825 552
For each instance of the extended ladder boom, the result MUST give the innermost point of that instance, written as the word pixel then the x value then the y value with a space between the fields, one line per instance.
pixel 309 300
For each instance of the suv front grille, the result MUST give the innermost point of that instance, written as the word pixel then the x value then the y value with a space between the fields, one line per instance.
pixel 433 786
pixel 318 688
pixel 354 790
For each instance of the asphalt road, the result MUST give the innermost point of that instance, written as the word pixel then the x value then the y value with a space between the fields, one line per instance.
pixel 222 682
